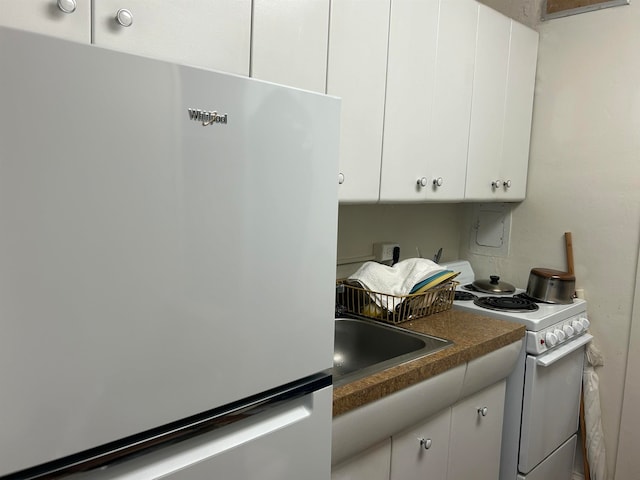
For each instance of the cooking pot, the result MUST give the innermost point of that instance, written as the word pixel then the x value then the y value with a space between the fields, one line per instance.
pixel 551 286
pixel 494 285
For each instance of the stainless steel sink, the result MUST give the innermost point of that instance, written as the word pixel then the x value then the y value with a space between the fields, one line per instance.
pixel 363 347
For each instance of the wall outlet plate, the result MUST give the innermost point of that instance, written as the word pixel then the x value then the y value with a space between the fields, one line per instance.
pixel 383 251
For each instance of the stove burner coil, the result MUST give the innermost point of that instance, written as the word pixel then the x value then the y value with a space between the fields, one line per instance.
pixel 507 304
pixel 459 295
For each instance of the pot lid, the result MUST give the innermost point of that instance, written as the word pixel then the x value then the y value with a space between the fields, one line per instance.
pixel 494 285
pixel 550 273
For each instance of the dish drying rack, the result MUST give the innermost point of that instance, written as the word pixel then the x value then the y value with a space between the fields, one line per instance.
pixel 353 299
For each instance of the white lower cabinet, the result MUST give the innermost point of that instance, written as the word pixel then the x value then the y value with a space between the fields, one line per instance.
pixel 423 451
pixel 372 464
pixel 461 442
pixel 476 435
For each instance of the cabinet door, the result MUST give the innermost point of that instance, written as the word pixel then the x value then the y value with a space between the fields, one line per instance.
pixel 68 19
pixel 448 139
pixel 357 73
pixel 372 464
pixel 488 105
pixel 476 435
pixel 423 451
pixel 410 85
pixel 204 33
pixel 523 53
pixel 429 91
pixel 289 42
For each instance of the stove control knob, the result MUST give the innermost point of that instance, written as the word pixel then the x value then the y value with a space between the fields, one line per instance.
pixel 577 326
pixel 551 339
pixel 560 334
pixel 568 330
pixel 585 323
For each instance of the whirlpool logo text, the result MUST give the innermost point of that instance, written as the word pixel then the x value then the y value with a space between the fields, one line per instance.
pixel 207 117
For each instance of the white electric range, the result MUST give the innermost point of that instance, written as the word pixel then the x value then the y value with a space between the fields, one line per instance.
pixel 542 401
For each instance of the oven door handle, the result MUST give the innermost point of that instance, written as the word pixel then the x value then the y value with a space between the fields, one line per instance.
pixel 563 351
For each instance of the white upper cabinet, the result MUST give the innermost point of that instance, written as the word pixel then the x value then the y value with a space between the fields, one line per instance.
pixel 501 108
pixel 410 84
pixel 523 54
pixel 68 19
pixel 204 33
pixel 429 91
pixel 487 110
pixel 289 42
pixel 357 73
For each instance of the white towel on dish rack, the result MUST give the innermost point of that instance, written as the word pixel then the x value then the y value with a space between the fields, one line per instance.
pixel 397 280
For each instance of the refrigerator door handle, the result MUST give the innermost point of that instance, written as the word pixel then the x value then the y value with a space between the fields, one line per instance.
pixel 252 418
pixel 164 466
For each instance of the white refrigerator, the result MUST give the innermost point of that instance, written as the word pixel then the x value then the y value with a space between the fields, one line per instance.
pixel 167 269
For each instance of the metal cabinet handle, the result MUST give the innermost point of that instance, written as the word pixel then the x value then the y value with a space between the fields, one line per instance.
pixel 507 184
pixel 425 443
pixel 496 183
pixel 422 182
pixel 340 178
pixel 124 17
pixel 483 411
pixel 67 6
pixel 437 182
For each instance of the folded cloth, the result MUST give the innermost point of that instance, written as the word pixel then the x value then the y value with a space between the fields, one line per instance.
pixel 397 280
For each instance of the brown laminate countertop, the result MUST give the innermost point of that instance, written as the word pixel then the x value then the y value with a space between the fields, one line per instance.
pixel 473 336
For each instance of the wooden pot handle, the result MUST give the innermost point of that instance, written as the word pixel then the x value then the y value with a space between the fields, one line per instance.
pixel 568 242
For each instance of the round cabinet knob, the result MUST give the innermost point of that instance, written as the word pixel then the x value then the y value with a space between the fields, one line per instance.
pixel 437 182
pixel 425 443
pixel 568 330
pixel 577 326
pixel 551 339
pixel 560 334
pixel 496 184
pixel 507 184
pixel 340 178
pixel 124 17
pixel 483 411
pixel 585 323
pixel 67 6
pixel 423 182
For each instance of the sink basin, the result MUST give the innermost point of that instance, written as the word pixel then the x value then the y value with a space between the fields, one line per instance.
pixel 363 347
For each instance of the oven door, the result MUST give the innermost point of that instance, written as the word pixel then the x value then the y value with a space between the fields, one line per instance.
pixel 551 402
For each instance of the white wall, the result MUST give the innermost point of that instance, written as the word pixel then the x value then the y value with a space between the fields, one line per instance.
pixel 584 177
pixel 426 226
